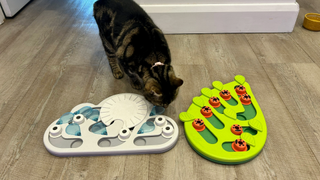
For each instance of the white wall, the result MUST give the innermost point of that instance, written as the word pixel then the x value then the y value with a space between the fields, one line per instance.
pixel 162 2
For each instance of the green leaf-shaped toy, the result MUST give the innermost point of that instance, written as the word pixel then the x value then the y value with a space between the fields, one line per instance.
pixel 224 123
pixel 185 117
pixel 217 85
pixel 248 138
pixel 255 124
pixel 230 113
pixel 240 79
pixel 206 92
pixel 198 101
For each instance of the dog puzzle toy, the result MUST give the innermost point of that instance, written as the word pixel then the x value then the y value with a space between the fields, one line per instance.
pixel 225 124
pixel 121 124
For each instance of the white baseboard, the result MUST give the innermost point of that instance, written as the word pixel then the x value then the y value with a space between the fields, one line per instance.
pixel 224 18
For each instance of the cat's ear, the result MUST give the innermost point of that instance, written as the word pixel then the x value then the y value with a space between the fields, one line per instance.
pixel 174 81
pixel 177 82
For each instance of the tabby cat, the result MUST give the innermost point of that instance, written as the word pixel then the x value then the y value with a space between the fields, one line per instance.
pixel 135 45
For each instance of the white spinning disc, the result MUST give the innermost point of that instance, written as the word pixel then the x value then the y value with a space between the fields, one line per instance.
pixel 130 108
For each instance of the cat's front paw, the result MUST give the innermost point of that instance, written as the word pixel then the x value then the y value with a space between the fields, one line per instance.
pixel 118 74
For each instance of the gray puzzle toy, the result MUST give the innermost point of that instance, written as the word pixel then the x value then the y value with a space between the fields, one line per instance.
pixel 121 124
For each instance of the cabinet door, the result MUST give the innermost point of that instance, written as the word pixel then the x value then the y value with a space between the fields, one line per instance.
pixel 1 17
pixel 11 7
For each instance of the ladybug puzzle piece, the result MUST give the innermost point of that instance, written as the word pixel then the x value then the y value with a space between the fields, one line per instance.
pixel 236 129
pixel 225 94
pixel 245 99
pixel 215 102
pixel 225 124
pixel 198 124
pixel 239 145
pixel 206 111
pixel 240 89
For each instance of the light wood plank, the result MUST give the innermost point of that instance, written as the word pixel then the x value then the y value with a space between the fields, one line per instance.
pixel 298 86
pixel 188 54
pixel 21 21
pixel 277 48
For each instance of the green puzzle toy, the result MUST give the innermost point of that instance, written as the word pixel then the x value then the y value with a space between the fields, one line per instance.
pixel 225 124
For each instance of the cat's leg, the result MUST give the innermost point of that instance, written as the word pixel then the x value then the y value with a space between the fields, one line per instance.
pixel 134 80
pixel 116 70
pixel 112 58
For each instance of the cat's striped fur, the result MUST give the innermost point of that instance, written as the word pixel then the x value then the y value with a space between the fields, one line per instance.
pixel 132 41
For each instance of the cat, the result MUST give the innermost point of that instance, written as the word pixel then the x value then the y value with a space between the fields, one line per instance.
pixel 136 46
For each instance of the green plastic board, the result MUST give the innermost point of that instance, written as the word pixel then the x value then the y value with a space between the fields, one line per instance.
pixel 214 142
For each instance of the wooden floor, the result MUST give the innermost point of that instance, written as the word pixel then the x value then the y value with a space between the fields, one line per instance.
pixel 51 59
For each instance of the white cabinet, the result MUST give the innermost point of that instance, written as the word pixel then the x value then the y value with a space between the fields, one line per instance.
pixel 1 17
pixel 11 7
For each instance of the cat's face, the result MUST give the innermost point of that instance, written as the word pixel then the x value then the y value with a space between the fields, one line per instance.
pixel 162 92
